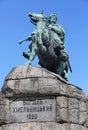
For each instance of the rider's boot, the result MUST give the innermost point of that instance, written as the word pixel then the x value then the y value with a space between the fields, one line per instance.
pixel 61 70
pixel 65 75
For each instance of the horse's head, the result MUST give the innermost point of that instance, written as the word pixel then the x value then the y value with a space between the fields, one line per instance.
pixel 37 17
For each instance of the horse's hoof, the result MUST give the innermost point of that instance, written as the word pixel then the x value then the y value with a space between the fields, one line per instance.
pixel 28 63
pixel 26 55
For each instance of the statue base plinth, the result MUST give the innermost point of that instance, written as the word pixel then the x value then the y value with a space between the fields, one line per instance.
pixel 35 98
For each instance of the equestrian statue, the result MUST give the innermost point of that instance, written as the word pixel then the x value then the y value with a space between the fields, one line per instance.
pixel 47 42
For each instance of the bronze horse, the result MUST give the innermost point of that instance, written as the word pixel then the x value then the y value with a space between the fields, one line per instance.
pixel 45 44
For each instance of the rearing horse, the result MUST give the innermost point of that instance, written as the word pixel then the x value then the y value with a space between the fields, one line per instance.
pixel 45 44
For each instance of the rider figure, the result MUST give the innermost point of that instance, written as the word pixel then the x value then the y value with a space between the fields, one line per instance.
pixel 63 56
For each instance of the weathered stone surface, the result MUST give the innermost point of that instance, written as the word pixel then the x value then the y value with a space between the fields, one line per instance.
pixel 75 127
pixel 82 117
pixel 62 102
pixel 87 112
pixel 48 126
pixel 33 98
pixel 82 113
pixel 22 72
pixel 62 115
pixel 34 126
pixel 64 89
pixel 73 103
pixel 73 116
pixel 62 111
pixel 32 109
pixel 24 126
pixel 42 126
pixel 4 105
pixel 63 126
pixel 49 87
pixel 77 93
pixel 10 127
pixel 55 126
pixel 82 106
pixel 24 80
pixel 2 116
pixel 83 128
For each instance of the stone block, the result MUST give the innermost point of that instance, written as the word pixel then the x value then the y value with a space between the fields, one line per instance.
pixel 73 103
pixel 2 111
pixel 77 92
pixel 64 90
pixel 62 102
pixel 6 109
pixel 9 127
pixel 82 117
pixel 34 126
pixel 48 126
pixel 86 123
pixel 21 72
pixel 3 127
pixel 24 126
pixel 75 127
pixel 63 126
pixel 24 87
pixel 34 72
pixel 1 100
pixel 17 73
pixel 73 115
pixel 14 126
pixel 62 115
pixel 82 106
pixel 83 128
pixel 2 114
pixel 49 86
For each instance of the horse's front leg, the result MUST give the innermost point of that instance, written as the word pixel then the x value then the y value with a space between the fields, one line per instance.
pixel 40 41
pixel 33 49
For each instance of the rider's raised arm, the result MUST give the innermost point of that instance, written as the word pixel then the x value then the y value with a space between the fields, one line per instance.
pixel 28 38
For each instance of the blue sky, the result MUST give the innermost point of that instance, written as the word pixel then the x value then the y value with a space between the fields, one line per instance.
pixel 15 25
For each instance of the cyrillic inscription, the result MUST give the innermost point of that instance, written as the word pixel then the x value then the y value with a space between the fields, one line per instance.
pixel 36 109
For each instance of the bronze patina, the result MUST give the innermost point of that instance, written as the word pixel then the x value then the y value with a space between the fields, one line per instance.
pixel 47 41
